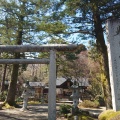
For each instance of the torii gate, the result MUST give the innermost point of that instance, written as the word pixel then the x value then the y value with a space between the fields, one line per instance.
pixel 52 67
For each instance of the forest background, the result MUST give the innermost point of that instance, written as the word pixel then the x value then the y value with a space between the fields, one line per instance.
pixel 37 22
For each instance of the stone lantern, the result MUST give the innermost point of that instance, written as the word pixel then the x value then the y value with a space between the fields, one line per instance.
pixel 75 96
pixel 26 93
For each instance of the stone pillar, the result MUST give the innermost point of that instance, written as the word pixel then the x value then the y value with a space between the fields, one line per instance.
pixel 113 46
pixel 52 87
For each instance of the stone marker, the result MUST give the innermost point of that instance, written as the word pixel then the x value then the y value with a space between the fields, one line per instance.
pixel 113 45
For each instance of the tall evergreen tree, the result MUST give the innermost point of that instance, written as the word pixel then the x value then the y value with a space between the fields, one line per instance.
pixel 88 17
pixel 17 26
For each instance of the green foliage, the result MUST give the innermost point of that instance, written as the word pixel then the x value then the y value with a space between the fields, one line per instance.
pixel 20 18
pixel 55 28
pixel 88 18
pixel 80 48
pixel 65 109
pixel 7 106
pixel 86 118
pixel 96 87
pixel 3 96
pixel 73 55
pixel 109 115
pixel 55 40
pixel 100 100
pixel 105 115
pixel 33 102
pixel 18 26
pixel 114 116
pixel 81 117
pixel 93 53
pixel 19 99
pixel 89 104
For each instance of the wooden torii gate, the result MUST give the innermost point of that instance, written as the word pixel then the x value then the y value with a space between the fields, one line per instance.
pixel 51 61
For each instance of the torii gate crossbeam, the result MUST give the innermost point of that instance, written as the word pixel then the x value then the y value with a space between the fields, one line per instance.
pixel 24 61
pixel 37 48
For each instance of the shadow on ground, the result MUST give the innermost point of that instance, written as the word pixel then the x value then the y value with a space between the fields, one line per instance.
pixel 37 112
pixel 34 112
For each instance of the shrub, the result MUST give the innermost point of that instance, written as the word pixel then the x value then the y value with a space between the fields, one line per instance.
pixel 7 106
pixel 65 109
pixel 3 96
pixel 106 114
pixel 81 117
pixel 89 104
pixel 33 102
pixel 114 116
pixel 100 99
pixel 19 99
pixel 87 118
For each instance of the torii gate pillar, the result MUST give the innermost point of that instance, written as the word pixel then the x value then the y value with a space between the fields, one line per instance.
pixel 52 87
pixel 113 45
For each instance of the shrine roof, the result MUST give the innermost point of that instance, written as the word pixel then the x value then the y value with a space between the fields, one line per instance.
pixel 36 84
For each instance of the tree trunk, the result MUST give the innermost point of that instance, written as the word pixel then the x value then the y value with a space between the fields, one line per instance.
pixel 3 78
pixel 12 86
pixel 102 48
pixel 13 83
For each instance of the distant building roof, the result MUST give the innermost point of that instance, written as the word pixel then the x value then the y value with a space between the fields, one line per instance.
pixel 36 84
pixel 60 81
pixel 82 81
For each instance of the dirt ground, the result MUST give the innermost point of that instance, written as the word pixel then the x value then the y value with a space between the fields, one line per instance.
pixel 34 112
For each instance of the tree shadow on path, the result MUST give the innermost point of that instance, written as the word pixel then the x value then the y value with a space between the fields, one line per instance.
pixel 34 112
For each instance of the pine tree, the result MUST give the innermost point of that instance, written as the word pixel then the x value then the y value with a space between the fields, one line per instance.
pixel 17 26
pixel 88 17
